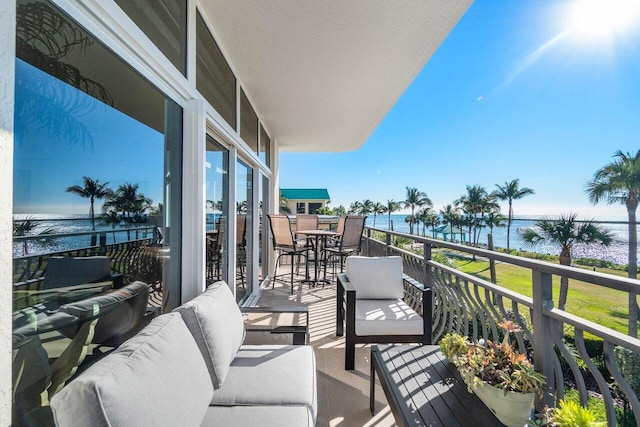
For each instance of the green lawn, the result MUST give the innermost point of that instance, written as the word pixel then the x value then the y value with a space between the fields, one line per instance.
pixel 604 306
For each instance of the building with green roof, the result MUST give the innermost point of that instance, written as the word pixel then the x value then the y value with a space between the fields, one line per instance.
pixel 305 200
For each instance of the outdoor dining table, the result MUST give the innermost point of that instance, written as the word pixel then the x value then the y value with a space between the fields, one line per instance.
pixel 317 235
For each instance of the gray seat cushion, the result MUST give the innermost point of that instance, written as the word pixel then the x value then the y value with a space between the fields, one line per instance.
pixel 214 319
pixel 157 378
pixel 387 317
pixel 68 271
pixel 263 416
pixel 271 375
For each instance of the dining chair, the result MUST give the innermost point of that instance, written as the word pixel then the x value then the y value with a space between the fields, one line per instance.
pixel 348 243
pixel 286 244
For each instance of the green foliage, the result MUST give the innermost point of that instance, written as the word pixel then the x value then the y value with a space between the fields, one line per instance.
pixel 570 414
pixel 452 345
pixel 629 364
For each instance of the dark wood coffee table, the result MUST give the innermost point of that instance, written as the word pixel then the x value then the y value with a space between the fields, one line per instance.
pixel 424 389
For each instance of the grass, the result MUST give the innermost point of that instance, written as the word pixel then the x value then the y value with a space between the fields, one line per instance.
pixel 606 307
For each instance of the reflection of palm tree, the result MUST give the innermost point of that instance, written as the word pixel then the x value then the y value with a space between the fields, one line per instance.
pixel 511 191
pixel 566 232
pixel 415 199
pixel 619 182
pixel 91 189
pixel 129 202
pixel 111 218
pixel 44 38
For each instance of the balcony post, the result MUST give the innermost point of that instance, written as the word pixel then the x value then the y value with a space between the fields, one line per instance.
pixel 427 309
pixel 543 352
pixel 388 243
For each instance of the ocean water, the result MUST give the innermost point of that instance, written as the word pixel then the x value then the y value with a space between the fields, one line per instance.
pixel 617 252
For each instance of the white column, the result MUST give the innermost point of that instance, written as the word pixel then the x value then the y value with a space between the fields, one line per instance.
pixel 7 81
pixel 193 200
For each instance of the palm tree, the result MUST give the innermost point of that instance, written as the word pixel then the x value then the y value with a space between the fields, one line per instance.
pixel 432 220
pixel 415 199
pixel 619 182
pixel 366 207
pixel 494 218
pixel 566 232
pixel 339 210
pixel 511 191
pixel 355 207
pixel 392 206
pixel 284 208
pixel 378 209
pixel 91 189
pixel 451 217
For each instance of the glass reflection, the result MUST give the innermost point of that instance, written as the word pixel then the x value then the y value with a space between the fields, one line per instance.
pixel 244 237
pixel 217 210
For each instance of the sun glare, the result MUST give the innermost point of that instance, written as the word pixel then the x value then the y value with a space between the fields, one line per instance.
pixel 603 18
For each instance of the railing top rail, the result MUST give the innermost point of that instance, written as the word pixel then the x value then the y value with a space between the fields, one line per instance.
pixel 610 281
pixel 495 289
pixel 603 332
pixel 80 233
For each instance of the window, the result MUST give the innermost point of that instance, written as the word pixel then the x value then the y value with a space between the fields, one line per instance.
pixel 313 207
pixel 244 232
pixel 214 78
pixel 217 210
pixel 97 171
pixel 265 147
pixel 301 208
pixel 165 23
pixel 248 123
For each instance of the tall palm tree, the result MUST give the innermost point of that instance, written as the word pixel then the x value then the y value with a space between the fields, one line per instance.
pixel 566 232
pixel 511 191
pixel 392 206
pixel 415 199
pixel 366 207
pixel 619 182
pixel 493 218
pixel 451 217
pixel 377 209
pixel 91 189
pixel 355 207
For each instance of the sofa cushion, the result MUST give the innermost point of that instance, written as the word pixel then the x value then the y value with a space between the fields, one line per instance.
pixel 69 271
pixel 375 277
pixel 279 375
pixel 119 311
pixel 157 378
pixel 263 416
pixel 214 319
pixel 387 317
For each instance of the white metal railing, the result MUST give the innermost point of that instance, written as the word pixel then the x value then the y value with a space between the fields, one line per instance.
pixel 472 306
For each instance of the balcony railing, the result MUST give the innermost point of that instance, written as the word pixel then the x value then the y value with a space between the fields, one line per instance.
pixel 472 306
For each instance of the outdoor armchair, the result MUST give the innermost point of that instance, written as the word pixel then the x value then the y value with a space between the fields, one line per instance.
pixel 377 303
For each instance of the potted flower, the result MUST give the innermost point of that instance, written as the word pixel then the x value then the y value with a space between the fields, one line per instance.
pixel 502 378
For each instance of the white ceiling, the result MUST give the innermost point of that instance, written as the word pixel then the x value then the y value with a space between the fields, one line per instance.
pixel 322 74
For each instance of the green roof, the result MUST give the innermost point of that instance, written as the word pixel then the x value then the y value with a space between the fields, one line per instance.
pixel 305 193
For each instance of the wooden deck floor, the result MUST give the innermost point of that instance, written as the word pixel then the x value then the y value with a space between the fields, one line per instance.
pixel 343 396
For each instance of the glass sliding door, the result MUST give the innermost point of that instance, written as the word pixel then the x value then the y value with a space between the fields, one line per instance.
pixel 217 211
pixel 244 230
pixel 97 190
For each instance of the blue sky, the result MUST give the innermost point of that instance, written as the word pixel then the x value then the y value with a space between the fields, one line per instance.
pixel 544 91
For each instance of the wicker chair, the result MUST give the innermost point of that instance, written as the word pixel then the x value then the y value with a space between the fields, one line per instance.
pixel 286 244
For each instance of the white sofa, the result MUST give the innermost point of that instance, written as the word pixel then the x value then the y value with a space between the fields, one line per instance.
pixel 190 368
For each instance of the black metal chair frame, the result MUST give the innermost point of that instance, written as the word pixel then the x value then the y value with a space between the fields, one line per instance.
pixel 348 243
pixel 416 295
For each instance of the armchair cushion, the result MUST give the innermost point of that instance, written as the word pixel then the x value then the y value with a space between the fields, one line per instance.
pixel 286 377
pixel 216 323
pixel 376 277
pixel 142 383
pixel 387 317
